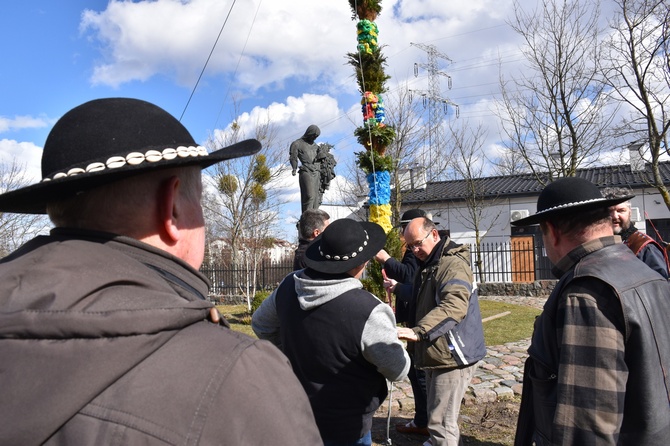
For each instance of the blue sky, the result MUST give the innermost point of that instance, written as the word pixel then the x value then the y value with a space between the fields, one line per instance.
pixel 284 59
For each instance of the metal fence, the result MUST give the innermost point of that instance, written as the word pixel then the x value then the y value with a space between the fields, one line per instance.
pixel 506 262
pixel 227 279
pixel 510 262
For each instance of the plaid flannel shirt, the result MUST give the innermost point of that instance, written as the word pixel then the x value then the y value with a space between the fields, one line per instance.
pixel 590 366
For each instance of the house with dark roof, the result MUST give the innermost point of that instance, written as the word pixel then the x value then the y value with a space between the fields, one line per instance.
pixel 486 206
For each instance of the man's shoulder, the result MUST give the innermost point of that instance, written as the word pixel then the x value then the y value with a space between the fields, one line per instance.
pixel 637 239
pixel 614 264
pixel 210 345
pixel 359 298
pixel 455 252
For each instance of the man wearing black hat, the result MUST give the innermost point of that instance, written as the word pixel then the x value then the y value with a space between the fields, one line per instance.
pixel 104 337
pixel 598 360
pixel 340 339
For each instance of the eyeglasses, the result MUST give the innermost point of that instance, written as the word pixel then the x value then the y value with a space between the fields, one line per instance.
pixel 415 245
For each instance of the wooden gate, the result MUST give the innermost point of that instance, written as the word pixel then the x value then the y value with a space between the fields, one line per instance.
pixel 523 259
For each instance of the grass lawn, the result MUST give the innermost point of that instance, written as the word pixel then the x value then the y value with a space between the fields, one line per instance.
pixel 511 328
pixel 238 317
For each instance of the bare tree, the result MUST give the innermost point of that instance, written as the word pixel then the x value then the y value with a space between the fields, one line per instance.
pixel 242 201
pixel 638 70
pixel 508 163
pixel 16 229
pixel 351 192
pixel 553 114
pixel 478 211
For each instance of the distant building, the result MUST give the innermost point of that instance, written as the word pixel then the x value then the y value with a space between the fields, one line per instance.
pixel 272 250
pixel 503 199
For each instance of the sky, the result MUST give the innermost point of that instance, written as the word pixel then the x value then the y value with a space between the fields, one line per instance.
pixel 277 58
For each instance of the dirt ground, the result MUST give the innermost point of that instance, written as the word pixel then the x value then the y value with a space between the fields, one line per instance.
pixel 489 424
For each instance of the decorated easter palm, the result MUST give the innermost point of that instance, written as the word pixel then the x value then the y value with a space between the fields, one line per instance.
pixel 374 135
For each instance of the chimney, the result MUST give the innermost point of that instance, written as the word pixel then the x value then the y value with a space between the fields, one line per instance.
pixel 412 177
pixel 635 157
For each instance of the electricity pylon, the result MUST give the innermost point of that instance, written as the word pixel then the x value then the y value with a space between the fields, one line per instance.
pixel 436 104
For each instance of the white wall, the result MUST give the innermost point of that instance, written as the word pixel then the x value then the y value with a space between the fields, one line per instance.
pixel 495 225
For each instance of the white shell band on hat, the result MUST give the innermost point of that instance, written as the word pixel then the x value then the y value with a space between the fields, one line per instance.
pixel 135 158
pixel 347 257
pixel 574 203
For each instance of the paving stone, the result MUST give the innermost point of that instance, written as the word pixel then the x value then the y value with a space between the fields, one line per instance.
pixel 494 361
pixel 499 374
pixel 485 396
pixel 503 392
pixel 488 377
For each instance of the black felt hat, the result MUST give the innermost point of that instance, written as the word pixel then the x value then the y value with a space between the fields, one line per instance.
pixel 568 195
pixel 105 140
pixel 344 245
pixel 411 214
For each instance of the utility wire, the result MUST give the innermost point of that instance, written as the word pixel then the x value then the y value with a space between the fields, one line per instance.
pixel 207 61
pixel 239 60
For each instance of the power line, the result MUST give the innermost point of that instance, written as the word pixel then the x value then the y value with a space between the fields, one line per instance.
pixel 207 61
pixel 237 66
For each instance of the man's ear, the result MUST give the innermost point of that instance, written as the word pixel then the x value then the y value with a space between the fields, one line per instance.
pixel 169 209
pixel 553 235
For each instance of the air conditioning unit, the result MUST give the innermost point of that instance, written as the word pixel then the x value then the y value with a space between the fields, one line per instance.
pixel 635 214
pixel 519 214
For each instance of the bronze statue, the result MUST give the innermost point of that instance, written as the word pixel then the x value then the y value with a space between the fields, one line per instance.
pixel 305 150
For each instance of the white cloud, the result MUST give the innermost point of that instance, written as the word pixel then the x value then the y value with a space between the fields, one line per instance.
pixel 26 154
pixel 21 122
pixel 292 117
pixel 300 40
pixel 278 40
pixel 296 51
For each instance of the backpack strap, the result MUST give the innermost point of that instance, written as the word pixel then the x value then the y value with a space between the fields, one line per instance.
pixel 639 240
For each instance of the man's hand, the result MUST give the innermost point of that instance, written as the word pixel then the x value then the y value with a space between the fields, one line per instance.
pixel 407 334
pixel 382 256
pixel 294 172
pixel 389 284
pixel 215 317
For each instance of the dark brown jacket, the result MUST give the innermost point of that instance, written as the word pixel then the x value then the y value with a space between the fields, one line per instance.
pixel 103 340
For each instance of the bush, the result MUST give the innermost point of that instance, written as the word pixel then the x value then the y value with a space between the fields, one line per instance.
pixel 258 299
pixel 374 280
